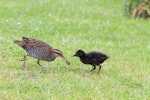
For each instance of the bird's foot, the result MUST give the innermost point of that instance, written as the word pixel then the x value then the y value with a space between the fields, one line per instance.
pixel 23 59
pixel 87 71
pixel 98 73
pixel 25 67
pixel 44 69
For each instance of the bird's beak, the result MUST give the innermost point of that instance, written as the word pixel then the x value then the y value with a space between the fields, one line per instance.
pixel 65 59
pixel 74 55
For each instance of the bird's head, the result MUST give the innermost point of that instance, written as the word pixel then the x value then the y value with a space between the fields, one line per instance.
pixel 58 53
pixel 79 53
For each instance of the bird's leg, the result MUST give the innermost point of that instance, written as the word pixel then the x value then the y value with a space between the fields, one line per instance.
pixel 24 58
pixel 93 68
pixel 24 63
pixel 99 69
pixel 38 62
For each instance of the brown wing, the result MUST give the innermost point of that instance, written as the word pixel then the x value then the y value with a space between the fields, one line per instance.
pixel 34 43
pixel 35 48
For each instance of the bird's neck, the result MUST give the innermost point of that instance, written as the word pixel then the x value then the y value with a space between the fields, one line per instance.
pixel 84 58
pixel 52 57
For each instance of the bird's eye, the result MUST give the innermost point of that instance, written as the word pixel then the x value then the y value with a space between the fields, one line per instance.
pixel 59 53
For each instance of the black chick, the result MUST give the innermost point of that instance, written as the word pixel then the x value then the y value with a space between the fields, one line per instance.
pixel 92 58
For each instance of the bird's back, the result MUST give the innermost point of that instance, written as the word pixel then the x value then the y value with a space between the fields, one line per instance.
pixel 35 48
pixel 96 57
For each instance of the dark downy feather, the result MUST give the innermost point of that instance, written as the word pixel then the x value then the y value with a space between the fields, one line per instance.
pixel 92 58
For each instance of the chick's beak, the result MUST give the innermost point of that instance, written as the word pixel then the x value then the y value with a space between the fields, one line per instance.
pixel 65 59
pixel 74 55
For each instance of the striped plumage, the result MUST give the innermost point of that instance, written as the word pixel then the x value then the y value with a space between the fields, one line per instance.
pixel 39 50
pixel 92 58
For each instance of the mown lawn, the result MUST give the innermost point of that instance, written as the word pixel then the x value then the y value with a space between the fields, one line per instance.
pixel 69 25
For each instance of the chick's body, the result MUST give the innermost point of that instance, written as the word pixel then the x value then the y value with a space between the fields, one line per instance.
pixel 92 58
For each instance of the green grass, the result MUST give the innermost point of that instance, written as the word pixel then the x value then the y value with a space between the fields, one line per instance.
pixel 71 25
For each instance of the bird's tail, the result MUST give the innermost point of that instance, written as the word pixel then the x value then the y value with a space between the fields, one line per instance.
pixel 20 43
pixel 107 57
pixel 25 39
